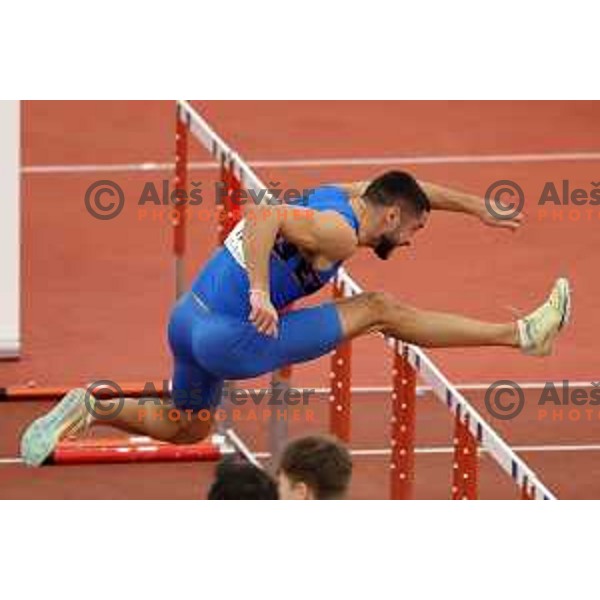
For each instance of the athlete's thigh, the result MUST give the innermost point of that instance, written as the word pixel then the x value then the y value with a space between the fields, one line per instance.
pixel 231 348
pixel 195 387
pixel 307 333
pixel 304 334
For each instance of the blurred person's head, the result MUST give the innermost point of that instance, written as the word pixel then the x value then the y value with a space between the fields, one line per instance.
pixel 236 480
pixel 314 468
pixel 397 209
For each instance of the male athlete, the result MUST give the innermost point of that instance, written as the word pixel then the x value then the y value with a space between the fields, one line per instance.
pixel 232 324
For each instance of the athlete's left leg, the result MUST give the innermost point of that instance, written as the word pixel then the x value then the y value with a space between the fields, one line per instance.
pixel 160 420
pixel 380 312
pixel 534 334
pixel 187 418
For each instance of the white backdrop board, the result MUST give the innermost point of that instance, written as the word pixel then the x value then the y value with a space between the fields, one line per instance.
pixel 10 225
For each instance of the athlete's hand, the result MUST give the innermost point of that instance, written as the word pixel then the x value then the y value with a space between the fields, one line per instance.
pixel 263 314
pixel 492 220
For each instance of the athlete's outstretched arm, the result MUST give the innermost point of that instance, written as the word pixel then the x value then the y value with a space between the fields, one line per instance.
pixel 443 198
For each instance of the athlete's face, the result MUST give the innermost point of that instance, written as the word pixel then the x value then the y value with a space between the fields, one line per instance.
pixel 396 230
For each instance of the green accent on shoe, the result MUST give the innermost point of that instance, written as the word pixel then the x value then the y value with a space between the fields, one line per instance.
pixel 42 436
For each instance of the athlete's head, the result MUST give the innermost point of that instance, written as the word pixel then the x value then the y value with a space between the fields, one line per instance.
pixel 314 468
pixel 398 207
pixel 241 481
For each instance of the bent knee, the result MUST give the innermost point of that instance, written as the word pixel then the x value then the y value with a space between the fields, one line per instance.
pixel 380 303
pixel 379 300
pixel 384 307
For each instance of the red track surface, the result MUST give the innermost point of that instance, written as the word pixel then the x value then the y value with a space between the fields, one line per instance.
pixel 97 294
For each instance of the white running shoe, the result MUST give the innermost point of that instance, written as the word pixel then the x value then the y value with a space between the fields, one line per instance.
pixel 70 417
pixel 538 330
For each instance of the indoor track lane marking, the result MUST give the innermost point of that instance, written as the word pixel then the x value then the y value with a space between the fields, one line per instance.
pixel 450 449
pixel 374 452
pixel 321 162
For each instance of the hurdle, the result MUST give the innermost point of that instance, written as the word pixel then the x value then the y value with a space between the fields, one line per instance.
pixel 472 435
pixel 141 449
pixel 105 450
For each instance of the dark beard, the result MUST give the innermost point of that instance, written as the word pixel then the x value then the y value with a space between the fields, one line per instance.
pixel 384 247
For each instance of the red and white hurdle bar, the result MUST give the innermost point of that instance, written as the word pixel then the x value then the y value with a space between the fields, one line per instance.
pixel 471 432
pixel 146 450
pixel 114 450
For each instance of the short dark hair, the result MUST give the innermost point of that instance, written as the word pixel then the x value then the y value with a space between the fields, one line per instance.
pixel 235 480
pixel 398 187
pixel 322 463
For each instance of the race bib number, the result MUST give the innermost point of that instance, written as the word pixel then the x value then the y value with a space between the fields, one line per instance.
pixel 234 242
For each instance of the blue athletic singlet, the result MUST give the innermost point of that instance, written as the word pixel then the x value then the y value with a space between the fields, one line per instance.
pixel 209 332
pixel 223 282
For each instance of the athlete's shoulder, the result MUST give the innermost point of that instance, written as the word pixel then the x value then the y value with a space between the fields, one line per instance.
pixel 333 198
pixel 328 192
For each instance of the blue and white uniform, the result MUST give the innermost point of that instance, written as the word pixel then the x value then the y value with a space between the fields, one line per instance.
pixel 210 335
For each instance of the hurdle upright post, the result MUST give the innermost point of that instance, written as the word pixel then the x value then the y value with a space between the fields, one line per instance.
pixel 340 398
pixel 279 414
pixel 465 469
pixel 402 430
pixel 179 214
